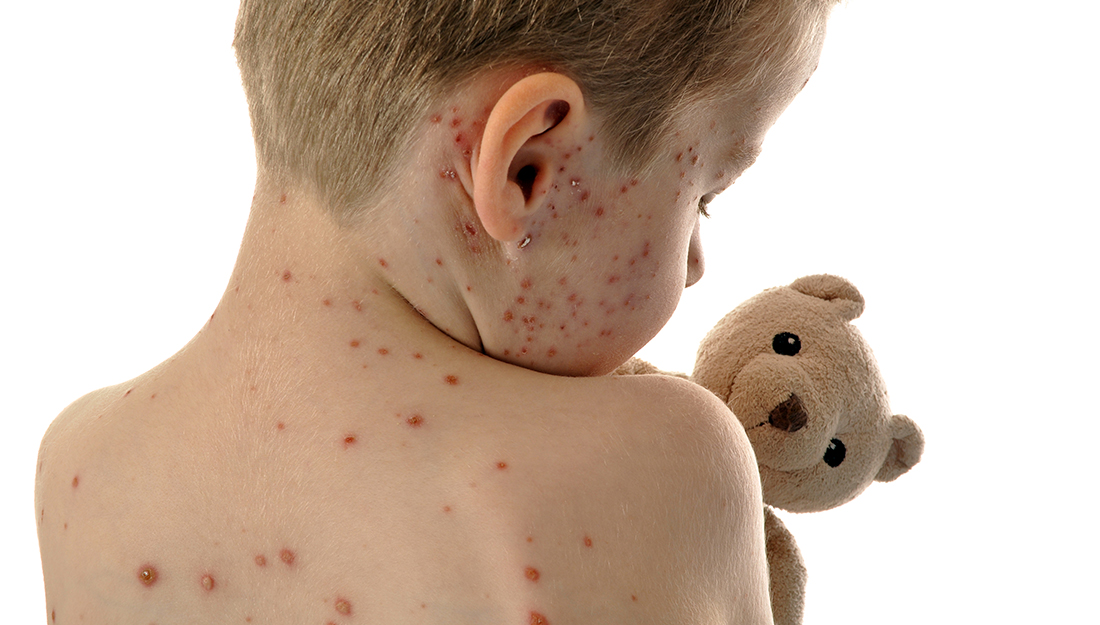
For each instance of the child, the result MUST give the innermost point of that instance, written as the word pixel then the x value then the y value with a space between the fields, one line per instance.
pixel 466 214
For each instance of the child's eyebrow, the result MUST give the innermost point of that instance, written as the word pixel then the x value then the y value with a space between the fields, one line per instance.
pixel 741 157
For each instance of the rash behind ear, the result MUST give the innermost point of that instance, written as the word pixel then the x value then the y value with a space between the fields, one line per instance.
pixel 514 165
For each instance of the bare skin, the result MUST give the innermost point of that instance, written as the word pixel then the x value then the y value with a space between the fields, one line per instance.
pixel 378 423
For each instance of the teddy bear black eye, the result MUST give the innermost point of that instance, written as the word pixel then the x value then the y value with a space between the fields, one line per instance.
pixel 786 344
pixel 834 455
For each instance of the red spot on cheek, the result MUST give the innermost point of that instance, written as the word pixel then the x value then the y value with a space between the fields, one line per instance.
pixel 282 199
pixel 354 343
pixel 587 541
pixel 437 118
pixel 452 380
pixel 207 583
pixel 599 211
pixel 382 261
pixel 456 122
pixel 357 305
pixel 508 316
pixel 147 575
pixel 286 276
pixel 76 481
pixel 526 284
pixel 327 302
pixel 584 196
pixel 280 425
pixel 261 561
pixel 415 421
pixel 349 440
pixel 343 606
pixel 613 279
pixel 418 355
pixel 502 465
pixel 287 556
pixel 532 574
pixel 538 619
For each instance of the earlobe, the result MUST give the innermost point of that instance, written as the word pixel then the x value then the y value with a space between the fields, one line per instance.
pixel 513 166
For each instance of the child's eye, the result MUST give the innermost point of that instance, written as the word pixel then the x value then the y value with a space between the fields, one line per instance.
pixel 703 202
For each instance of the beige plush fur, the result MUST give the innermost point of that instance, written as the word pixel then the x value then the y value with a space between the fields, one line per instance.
pixel 803 382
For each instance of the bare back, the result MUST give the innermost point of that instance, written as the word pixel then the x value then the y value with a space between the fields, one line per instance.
pixel 431 486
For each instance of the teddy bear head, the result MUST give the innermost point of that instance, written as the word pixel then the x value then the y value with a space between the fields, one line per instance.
pixel 807 389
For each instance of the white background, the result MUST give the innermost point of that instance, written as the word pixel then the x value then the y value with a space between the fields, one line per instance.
pixel 943 158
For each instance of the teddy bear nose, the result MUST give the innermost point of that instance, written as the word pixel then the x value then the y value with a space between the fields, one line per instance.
pixel 789 416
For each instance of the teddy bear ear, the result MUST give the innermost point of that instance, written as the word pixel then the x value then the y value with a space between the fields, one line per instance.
pixel 906 447
pixel 832 289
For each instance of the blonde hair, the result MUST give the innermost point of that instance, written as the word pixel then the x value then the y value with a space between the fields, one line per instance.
pixel 336 88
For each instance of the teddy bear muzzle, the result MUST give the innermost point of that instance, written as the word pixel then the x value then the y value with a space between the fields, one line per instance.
pixel 789 416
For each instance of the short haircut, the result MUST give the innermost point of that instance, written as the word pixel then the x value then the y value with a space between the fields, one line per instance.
pixel 336 88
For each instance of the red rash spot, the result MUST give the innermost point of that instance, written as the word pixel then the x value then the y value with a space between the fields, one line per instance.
pixel 550 353
pixel 343 606
pixel 587 541
pixel 383 351
pixel 679 157
pixel 695 159
pixel 127 394
pixel 502 465
pixel 584 196
pixel 357 305
pixel 415 421
pixel 439 261
pixel 599 211
pixel 538 619
pixel 261 561
pixel 633 598
pixel 349 440
pixel 452 380
pixel 532 574
pixel 448 174
pixel 470 229
pixel 207 583
pixel 76 481
pixel 613 279
pixel 282 199
pixel 623 189
pixel 418 355
pixel 382 261
pixel 458 138
pixel 633 182
pixel 287 556
pixel 327 302
pixel 446 508
pixel 456 122
pixel 562 281
pixel 436 119
pixel 526 284
pixel 508 315
pixel 286 276
pixel 147 575
pixel 354 343
pixel 572 297
pixel 521 300
pixel 53 616
pixel 280 425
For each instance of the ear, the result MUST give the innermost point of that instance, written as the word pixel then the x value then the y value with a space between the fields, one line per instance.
pixel 514 165
pixel 833 289
pixel 906 447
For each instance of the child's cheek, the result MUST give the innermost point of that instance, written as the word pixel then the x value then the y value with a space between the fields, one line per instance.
pixel 609 286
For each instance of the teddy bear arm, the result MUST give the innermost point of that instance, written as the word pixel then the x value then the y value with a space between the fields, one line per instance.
pixel 786 571
pixel 637 366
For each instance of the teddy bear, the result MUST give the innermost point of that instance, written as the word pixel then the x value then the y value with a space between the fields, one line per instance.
pixel 804 384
